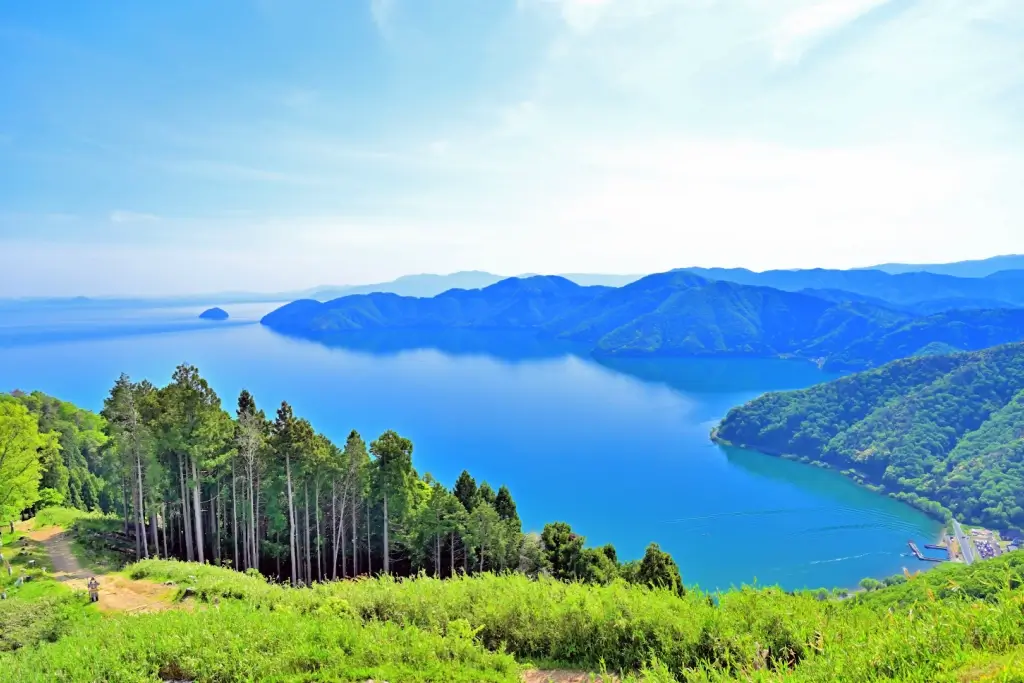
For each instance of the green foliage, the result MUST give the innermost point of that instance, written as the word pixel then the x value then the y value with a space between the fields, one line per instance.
pixel 944 433
pixel 21 444
pixel 659 570
pixel 76 468
pixel 25 622
pixel 746 634
pixel 235 643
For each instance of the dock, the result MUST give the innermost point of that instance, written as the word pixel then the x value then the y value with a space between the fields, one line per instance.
pixel 921 556
pixel 935 546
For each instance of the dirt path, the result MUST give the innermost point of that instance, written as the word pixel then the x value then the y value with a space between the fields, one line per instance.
pixel 117 593
pixel 535 676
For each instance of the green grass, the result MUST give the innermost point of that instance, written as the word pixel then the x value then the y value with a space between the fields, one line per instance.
pixel 232 643
pixel 240 628
pixel 62 517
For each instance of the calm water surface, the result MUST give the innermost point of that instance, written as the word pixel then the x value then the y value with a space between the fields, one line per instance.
pixel 620 449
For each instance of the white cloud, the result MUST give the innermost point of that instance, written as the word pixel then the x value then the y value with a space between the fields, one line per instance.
pixel 382 12
pixel 120 216
pixel 810 24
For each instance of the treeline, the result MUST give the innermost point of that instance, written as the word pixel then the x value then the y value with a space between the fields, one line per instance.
pixel 270 493
pixel 942 433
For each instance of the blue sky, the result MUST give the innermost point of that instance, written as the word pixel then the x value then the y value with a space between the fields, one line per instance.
pixel 186 146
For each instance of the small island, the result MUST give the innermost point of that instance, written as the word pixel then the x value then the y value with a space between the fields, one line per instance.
pixel 214 314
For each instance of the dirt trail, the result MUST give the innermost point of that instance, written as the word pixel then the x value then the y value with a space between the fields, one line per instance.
pixel 117 593
pixel 536 676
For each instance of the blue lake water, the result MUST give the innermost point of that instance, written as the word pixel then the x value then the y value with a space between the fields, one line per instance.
pixel 620 450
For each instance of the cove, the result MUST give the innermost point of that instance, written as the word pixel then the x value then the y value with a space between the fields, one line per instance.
pixel 618 448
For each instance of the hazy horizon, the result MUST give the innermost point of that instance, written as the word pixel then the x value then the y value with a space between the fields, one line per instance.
pixel 269 146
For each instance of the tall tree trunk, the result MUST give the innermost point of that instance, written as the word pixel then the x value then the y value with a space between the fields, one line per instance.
pixel 437 555
pixel 167 550
pixel 355 542
pixel 369 546
pixel 344 541
pixel 387 547
pixel 153 530
pixel 234 518
pixel 291 518
pixel 316 514
pixel 451 551
pixel 135 521
pixel 309 568
pixel 217 517
pixel 256 524
pixel 253 558
pixel 185 512
pixel 197 511
pixel 124 500
pixel 334 534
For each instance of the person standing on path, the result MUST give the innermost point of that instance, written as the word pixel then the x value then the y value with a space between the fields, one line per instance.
pixel 94 590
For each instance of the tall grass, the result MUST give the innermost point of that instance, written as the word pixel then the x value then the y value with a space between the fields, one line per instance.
pixel 762 633
pixel 239 627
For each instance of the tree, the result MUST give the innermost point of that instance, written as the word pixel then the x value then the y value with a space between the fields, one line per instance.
pixel 483 532
pixel 20 444
pixel 465 490
pixel 532 557
pixel 194 431
pixel 658 569
pixel 486 494
pixel 285 443
pixel 250 438
pixel 393 468
pixel 505 506
pixel 357 460
pixel 562 550
pixel 123 413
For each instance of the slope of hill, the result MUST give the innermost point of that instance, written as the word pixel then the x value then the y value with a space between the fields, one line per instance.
pixel 968 627
pixel 945 432
pixel 670 314
pixel 974 268
pixel 678 313
pixel 513 303
pixel 904 289
pixel 949 332
pixel 430 285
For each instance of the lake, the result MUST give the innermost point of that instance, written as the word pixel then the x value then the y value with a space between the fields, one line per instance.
pixel 618 449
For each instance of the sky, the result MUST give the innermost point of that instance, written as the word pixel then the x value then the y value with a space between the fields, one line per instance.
pixel 270 145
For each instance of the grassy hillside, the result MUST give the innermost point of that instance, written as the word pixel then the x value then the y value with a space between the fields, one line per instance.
pixel 235 627
pixel 945 432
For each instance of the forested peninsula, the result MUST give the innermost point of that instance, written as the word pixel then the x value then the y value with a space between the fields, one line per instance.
pixel 944 432
pixel 273 494
pixel 680 313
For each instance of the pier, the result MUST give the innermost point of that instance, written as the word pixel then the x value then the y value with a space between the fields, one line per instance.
pixel 919 555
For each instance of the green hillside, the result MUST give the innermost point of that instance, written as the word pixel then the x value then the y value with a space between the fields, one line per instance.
pixel 677 313
pixel 222 626
pixel 945 432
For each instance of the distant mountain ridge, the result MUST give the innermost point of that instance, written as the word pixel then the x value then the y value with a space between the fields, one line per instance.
pixel 907 290
pixel 972 268
pixel 678 313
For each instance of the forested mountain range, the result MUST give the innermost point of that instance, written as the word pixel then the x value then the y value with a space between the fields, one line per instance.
pixel 678 313
pixel 972 268
pixel 907 290
pixel 945 433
